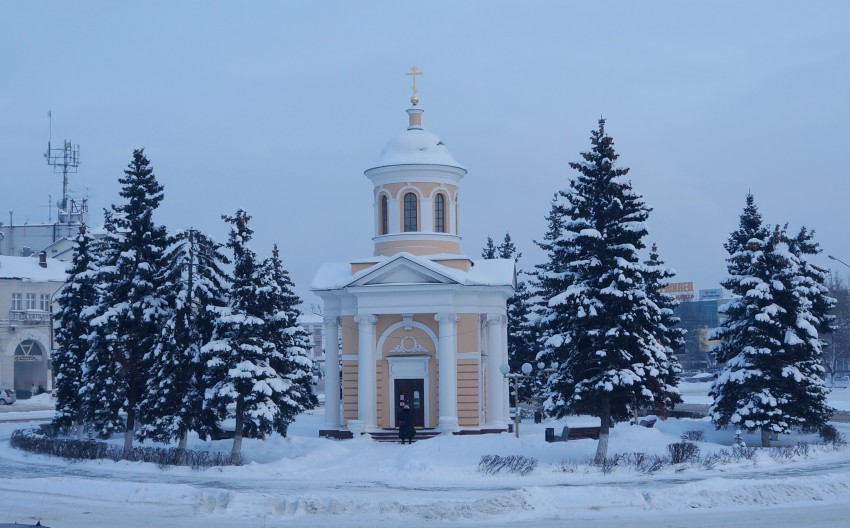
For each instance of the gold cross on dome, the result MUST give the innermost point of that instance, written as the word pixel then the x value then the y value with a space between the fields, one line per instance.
pixel 413 73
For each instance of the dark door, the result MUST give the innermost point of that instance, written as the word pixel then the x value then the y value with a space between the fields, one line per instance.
pixel 411 392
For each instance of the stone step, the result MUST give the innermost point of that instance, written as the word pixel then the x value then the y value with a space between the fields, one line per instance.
pixel 391 435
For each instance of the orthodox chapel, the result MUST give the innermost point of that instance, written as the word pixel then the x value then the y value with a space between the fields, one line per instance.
pixel 420 324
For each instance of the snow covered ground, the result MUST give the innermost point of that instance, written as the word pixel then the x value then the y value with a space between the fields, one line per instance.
pixel 306 481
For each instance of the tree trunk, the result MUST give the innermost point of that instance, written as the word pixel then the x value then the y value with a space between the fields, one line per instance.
pixel 80 428
pixel 604 429
pixel 181 447
pixel 128 433
pixel 765 437
pixel 237 435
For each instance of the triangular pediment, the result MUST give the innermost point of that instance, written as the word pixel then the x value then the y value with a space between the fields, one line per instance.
pixel 402 270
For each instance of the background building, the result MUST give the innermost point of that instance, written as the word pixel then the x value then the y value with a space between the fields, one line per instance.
pixel 27 286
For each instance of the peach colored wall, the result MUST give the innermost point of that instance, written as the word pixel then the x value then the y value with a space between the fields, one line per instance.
pixel 467 369
pixel 384 322
pixel 349 368
pixel 383 371
pixel 462 265
pixel 394 188
pixel 382 393
pixel 434 415
pixel 349 391
pixel 468 391
pixel 417 247
pixel 348 333
pixel 426 188
pixel 357 267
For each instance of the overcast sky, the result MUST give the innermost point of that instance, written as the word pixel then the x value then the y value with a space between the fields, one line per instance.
pixel 279 107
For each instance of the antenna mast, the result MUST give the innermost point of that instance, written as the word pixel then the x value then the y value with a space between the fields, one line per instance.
pixel 64 159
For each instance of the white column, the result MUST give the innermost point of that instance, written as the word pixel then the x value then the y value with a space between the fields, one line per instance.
pixel 396 214
pixel 497 408
pixel 366 404
pixel 332 387
pixel 447 360
pixel 427 215
pixel 504 361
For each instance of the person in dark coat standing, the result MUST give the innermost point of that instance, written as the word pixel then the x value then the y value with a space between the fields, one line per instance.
pixel 406 431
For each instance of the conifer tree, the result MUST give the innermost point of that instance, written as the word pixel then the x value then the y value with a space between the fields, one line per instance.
pixel 191 282
pixel 771 350
pixel 600 326
pixel 507 249
pixel 522 335
pixel 128 314
pixel 71 334
pixel 292 342
pixel 238 360
pixel 489 251
pixel 657 277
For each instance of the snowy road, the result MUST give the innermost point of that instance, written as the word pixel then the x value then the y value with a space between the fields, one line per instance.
pixel 71 495
pixel 304 481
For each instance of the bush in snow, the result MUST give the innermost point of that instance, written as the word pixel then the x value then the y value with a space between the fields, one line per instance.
pixel 830 435
pixel 682 452
pixel 44 442
pixel 694 436
pixel 518 464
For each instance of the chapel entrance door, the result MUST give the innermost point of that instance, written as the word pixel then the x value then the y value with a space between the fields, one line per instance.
pixel 410 392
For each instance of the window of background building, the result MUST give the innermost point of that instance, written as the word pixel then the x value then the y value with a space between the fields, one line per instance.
pixel 30 301
pixel 440 213
pixel 16 301
pixel 44 302
pixel 410 216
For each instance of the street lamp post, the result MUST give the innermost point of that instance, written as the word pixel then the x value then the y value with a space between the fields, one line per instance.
pixel 838 260
pixel 515 377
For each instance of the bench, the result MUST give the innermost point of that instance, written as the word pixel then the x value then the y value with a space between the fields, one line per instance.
pixel 572 433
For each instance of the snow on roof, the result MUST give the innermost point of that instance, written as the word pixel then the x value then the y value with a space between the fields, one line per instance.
pixel 484 272
pixel 416 147
pixel 27 268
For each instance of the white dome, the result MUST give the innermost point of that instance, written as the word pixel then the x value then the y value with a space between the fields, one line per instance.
pixel 416 147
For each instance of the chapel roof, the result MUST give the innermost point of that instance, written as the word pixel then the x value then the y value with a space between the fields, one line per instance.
pixel 416 146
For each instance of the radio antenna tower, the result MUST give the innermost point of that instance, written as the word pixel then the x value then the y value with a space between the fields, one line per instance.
pixel 63 159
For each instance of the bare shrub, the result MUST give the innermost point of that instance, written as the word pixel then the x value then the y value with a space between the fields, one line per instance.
pixel 568 466
pixel 682 452
pixel 830 435
pixel 694 436
pixel 743 453
pixel 518 464
pixel 43 441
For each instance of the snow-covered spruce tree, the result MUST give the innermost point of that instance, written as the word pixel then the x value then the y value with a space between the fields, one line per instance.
pixel 489 251
pixel 772 375
pixel 71 334
pixel 816 279
pixel 601 327
pixel 547 280
pixel 837 350
pixel 102 391
pixel 657 276
pixel 291 359
pixel 191 282
pixel 128 315
pixel 238 359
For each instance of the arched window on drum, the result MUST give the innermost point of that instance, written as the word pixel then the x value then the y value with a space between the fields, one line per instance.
pixel 410 212
pixel 440 213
